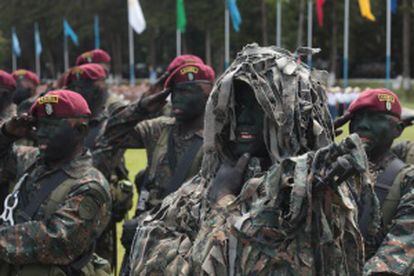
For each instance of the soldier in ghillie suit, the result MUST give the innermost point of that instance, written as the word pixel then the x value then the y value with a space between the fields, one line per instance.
pixel 89 81
pixel 264 202
pixel 61 204
pixel 376 117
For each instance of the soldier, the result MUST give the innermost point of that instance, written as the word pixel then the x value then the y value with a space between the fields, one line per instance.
pixel 7 90
pixel 61 203
pixel 376 117
pixel 251 209
pixel 89 81
pixel 27 83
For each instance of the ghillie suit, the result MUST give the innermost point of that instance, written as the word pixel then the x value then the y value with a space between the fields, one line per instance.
pixel 278 223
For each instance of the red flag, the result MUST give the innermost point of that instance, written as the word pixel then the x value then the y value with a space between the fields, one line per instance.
pixel 319 11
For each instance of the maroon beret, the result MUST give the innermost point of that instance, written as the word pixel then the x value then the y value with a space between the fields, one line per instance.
pixel 7 80
pixel 26 74
pixel 191 73
pixel 60 104
pixel 183 59
pixel 94 56
pixel 378 99
pixel 89 71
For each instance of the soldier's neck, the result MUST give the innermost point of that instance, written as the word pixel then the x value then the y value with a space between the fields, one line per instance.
pixel 58 163
pixel 379 158
pixel 193 125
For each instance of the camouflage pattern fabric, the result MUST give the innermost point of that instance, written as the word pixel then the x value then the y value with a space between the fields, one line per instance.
pixel 404 151
pixel 188 236
pixel 391 250
pixel 130 128
pixel 61 231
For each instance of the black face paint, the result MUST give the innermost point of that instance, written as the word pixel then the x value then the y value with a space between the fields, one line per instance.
pixel 188 102
pixel 95 96
pixel 249 120
pixel 6 99
pixel 21 94
pixel 378 130
pixel 57 139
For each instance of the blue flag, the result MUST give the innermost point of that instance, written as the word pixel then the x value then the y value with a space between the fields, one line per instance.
pixel 97 35
pixel 394 6
pixel 235 14
pixel 38 42
pixel 15 43
pixel 68 31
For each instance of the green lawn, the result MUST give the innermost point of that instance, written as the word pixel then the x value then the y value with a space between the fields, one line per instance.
pixel 136 161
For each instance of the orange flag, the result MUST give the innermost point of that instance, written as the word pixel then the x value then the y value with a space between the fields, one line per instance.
pixel 365 8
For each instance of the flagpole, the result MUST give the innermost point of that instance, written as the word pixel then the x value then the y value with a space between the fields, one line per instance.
pixel 279 23
pixel 131 56
pixel 226 36
pixel 388 50
pixel 96 29
pixel 178 40
pixel 14 58
pixel 65 50
pixel 37 57
pixel 346 45
pixel 310 29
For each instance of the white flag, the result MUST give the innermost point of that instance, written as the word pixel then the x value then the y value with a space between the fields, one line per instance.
pixel 135 16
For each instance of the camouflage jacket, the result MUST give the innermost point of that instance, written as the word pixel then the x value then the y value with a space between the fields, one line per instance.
pixel 404 151
pixel 277 226
pixel 129 128
pixel 69 220
pixel 392 249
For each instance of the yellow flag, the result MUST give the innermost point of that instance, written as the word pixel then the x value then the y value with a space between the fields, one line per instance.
pixel 365 7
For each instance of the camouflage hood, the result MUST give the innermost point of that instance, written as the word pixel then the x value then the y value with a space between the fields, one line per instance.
pixel 292 97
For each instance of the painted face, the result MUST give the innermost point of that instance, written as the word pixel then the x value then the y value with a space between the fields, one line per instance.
pixel 249 120
pixel 25 89
pixel 57 139
pixel 378 130
pixel 188 102
pixel 94 92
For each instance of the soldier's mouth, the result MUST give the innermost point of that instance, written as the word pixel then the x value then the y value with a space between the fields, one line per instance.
pixel 246 136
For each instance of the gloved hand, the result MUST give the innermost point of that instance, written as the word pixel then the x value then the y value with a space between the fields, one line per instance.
pixel 228 180
pixel 128 231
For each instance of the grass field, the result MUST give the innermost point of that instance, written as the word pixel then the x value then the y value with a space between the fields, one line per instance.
pixel 136 161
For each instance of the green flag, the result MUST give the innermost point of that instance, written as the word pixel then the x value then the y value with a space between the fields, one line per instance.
pixel 181 20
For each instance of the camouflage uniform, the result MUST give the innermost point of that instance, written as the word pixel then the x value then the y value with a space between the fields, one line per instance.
pixel 391 250
pixel 277 226
pixel 404 151
pixel 128 128
pixel 66 225
pixel 6 178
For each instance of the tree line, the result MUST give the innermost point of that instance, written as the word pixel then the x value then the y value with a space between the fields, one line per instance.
pixel 204 35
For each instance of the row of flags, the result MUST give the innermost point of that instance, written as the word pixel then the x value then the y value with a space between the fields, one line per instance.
pixel 137 21
pixel 364 8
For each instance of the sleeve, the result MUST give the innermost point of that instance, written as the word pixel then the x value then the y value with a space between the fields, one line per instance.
pixel 63 237
pixel 400 150
pixel 14 160
pixel 396 253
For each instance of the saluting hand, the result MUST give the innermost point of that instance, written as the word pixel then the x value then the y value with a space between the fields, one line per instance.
pixel 228 180
pixel 20 126
pixel 155 102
